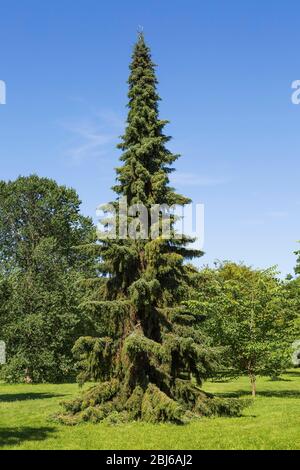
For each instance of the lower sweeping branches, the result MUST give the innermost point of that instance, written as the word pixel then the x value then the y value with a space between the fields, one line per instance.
pixel 143 379
pixel 149 354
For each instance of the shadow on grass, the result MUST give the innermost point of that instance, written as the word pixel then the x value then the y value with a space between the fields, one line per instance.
pixel 8 398
pixel 279 379
pixel 293 373
pixel 15 436
pixel 261 393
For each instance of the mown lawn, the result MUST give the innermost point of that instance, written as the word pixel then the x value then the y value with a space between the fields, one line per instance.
pixel 273 422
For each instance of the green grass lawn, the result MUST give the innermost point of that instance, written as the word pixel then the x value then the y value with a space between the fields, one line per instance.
pixel 273 422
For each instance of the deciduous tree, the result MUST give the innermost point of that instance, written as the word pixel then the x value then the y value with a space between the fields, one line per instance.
pixel 40 318
pixel 251 314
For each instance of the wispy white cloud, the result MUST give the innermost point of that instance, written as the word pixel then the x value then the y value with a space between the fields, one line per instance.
pixel 92 136
pixel 87 141
pixel 192 179
pixel 111 118
pixel 277 214
pixel 265 218
pixel 253 221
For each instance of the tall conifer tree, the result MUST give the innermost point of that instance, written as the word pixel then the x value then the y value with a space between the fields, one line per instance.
pixel 150 358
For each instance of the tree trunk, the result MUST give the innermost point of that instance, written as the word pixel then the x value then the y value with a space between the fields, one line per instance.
pixel 253 384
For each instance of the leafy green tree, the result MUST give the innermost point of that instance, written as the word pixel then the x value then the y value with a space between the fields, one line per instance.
pixel 293 292
pixel 32 209
pixel 40 289
pixel 149 357
pixel 251 314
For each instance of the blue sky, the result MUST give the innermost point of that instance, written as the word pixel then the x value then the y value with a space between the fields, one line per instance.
pixel 225 73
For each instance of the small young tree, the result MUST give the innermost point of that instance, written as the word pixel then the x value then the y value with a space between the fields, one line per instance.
pixel 248 312
pixel 149 357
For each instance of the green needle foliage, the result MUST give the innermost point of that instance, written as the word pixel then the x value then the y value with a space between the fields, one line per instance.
pixel 150 357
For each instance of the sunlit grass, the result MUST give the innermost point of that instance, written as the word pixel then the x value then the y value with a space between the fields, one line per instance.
pixel 273 422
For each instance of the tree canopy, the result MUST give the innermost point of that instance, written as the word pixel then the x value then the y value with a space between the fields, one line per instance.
pixel 251 314
pixel 40 318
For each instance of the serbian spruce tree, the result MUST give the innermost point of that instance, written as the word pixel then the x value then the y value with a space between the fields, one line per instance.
pixel 150 357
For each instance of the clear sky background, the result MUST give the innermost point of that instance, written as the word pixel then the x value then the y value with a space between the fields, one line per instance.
pixel 225 73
